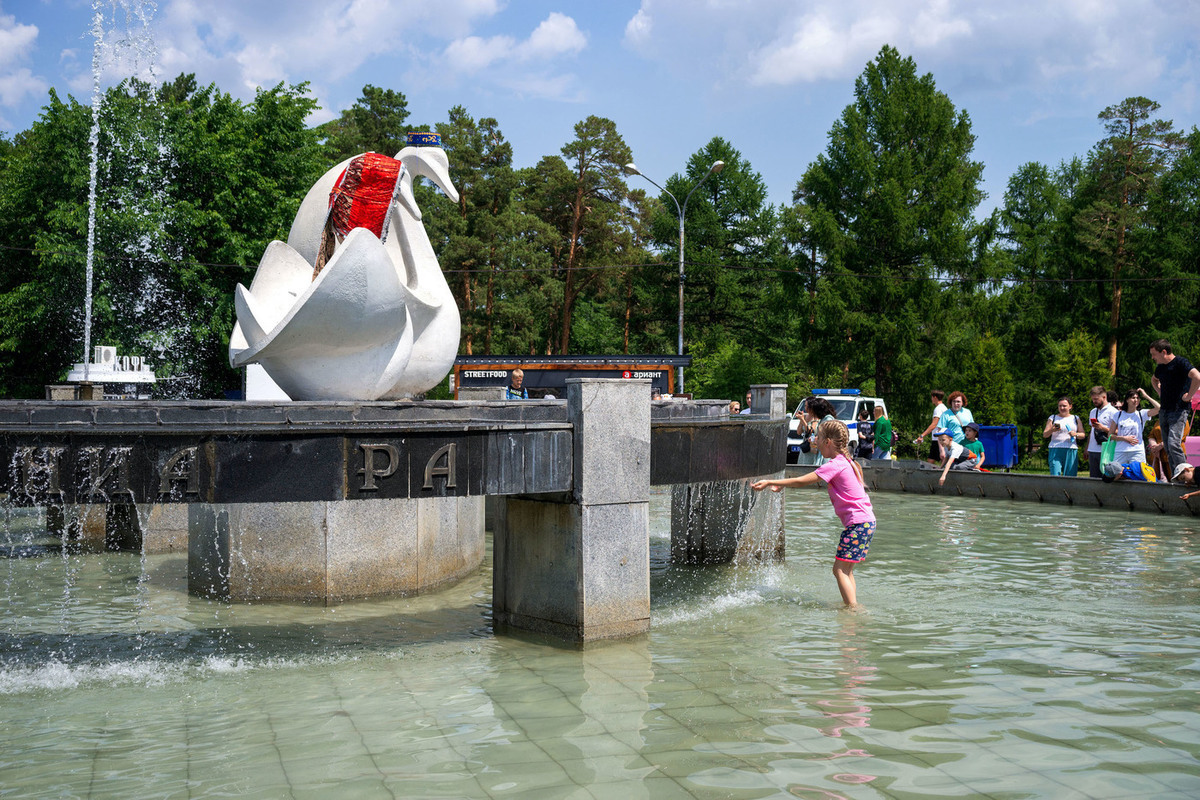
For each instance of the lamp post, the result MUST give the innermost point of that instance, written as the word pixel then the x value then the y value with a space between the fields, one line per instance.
pixel 631 169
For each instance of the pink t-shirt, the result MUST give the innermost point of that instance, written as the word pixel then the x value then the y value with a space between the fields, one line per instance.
pixel 849 497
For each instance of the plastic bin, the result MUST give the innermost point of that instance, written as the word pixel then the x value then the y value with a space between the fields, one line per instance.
pixel 999 446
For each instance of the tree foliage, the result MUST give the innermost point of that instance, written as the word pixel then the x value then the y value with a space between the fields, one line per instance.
pixel 192 186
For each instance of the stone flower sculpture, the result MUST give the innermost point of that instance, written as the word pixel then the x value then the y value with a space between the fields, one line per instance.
pixel 366 314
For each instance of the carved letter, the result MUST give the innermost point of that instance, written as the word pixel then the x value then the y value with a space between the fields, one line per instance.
pixel 450 451
pixel 173 472
pixel 44 468
pixel 118 459
pixel 369 472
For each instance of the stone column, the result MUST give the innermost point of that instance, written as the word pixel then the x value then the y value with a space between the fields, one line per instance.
pixel 769 398
pixel 577 566
pixel 721 522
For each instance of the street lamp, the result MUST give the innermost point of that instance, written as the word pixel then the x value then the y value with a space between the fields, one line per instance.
pixel 631 169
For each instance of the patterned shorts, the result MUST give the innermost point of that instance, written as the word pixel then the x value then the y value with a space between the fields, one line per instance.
pixel 855 541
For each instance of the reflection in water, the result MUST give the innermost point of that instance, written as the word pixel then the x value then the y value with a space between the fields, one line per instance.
pixel 848 710
pixel 573 718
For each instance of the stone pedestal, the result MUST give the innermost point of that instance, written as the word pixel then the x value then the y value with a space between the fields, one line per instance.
pixel 769 398
pixel 491 394
pixel 577 566
pixel 328 551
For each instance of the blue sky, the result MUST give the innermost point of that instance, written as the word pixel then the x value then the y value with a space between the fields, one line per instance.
pixel 771 76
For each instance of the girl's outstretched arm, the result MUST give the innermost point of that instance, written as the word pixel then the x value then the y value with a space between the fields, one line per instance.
pixel 777 484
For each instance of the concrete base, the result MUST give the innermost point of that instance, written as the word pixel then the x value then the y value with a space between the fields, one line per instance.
pixel 81 527
pixel 331 551
pixel 576 572
pixel 121 527
pixel 722 522
pixel 577 566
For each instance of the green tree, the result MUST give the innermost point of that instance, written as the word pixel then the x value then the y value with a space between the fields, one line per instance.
pixel 987 383
pixel 375 123
pixel 192 186
pixel 1125 168
pixel 1073 366
pixel 889 216
pixel 582 196
pixel 732 245
pixel 486 243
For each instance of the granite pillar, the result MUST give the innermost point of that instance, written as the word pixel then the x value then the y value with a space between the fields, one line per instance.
pixel 770 399
pixel 577 566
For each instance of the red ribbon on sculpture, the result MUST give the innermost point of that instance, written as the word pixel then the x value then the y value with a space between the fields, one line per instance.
pixel 361 198
pixel 362 194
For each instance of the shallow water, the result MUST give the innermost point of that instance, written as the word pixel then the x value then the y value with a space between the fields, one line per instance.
pixel 1009 650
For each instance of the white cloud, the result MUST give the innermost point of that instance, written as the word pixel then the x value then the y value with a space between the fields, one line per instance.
pixel 16 40
pixel 16 85
pixel 233 42
pixel 1082 48
pixel 556 35
pixel 474 54
pixel 17 81
pixel 524 67
pixel 639 28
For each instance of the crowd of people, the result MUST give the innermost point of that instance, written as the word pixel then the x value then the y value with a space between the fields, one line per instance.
pixel 1121 442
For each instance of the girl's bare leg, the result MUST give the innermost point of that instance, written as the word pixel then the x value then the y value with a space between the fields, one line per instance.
pixel 843 571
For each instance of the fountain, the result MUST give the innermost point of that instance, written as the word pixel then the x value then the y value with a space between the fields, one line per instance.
pixel 139 660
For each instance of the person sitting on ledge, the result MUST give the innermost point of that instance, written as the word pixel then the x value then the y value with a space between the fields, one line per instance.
pixel 957 457
pixel 1133 471
pixel 972 443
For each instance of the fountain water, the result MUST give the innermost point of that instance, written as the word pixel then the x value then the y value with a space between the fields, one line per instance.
pixel 129 49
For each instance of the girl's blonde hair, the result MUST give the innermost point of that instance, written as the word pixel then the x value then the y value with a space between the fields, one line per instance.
pixel 835 431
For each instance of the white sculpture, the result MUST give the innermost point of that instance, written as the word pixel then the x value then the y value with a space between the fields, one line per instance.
pixel 377 322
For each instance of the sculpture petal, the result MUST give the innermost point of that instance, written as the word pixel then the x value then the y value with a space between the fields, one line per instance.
pixel 348 336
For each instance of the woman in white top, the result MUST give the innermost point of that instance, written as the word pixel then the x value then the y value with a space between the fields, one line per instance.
pixel 1064 430
pixel 1127 426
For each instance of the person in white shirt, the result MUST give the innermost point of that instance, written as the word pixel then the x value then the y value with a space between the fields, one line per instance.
pixel 1064 430
pixel 939 408
pixel 1127 427
pixel 1099 419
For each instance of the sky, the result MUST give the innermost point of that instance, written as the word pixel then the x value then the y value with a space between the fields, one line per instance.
pixel 769 76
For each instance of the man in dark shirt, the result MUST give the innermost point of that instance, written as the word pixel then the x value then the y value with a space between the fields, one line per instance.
pixel 1175 380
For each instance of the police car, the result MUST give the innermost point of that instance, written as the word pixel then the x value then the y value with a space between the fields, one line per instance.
pixel 846 405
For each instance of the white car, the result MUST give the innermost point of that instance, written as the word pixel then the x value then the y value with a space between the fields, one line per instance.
pixel 846 405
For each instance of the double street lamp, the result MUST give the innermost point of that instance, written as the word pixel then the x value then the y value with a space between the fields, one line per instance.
pixel 631 169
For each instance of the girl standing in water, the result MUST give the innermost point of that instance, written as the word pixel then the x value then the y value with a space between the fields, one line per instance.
pixel 848 493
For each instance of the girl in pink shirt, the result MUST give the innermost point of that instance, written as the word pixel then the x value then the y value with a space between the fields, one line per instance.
pixel 847 491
